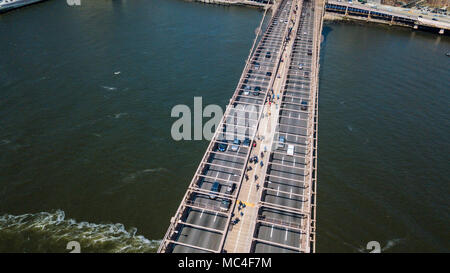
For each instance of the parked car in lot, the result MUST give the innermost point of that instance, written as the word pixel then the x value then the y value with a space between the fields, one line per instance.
pixel 300 66
pixel 215 188
pixel 225 205
pixel 268 55
pixel 235 146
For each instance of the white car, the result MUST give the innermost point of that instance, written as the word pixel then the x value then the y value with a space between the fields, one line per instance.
pixel 290 150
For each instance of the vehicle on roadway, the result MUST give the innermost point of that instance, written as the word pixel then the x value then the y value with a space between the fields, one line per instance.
pixel 215 188
pixel 235 146
pixel 230 188
pixel 304 106
pixel 256 91
pixel 225 205
pixel 246 142
pixel 281 142
pixel 247 89
pixel 222 146
pixel 290 150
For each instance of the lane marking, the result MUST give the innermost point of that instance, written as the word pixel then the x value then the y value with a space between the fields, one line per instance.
pixel 201 214
pixel 271 231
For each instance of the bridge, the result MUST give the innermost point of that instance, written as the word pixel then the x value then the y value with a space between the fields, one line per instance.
pixel 255 187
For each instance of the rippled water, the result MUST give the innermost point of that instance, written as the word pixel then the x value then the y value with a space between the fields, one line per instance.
pixel 86 153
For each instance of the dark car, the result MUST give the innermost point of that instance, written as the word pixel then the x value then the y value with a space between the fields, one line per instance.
pixel 222 146
pixel 246 142
pixel 309 52
pixel 214 188
pixel 269 74
pixel 304 105
pixel 268 55
pixel 256 91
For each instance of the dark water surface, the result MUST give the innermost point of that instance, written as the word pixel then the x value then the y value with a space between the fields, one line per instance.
pixel 83 147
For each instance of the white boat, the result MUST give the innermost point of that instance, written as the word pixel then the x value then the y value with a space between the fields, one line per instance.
pixel 6 5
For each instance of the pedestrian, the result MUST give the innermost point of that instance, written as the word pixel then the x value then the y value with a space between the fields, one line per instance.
pixel 257 187
pixel 261 163
pixel 256 177
pixel 262 155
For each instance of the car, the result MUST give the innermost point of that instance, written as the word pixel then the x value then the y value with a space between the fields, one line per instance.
pixel 225 205
pixel 306 74
pixel 255 159
pixel 300 66
pixel 309 52
pixel 235 146
pixel 215 188
pixel 247 89
pixel 304 105
pixel 222 146
pixel 256 65
pixel 269 74
pixel 290 150
pixel 281 142
pixel 434 19
pixel 246 142
pixel 256 91
pixel 230 188
pixel 268 54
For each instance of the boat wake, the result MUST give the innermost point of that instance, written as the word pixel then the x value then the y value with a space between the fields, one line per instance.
pixel 51 232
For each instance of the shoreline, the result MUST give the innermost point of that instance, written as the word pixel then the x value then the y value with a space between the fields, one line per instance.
pixel 331 17
pixel 242 3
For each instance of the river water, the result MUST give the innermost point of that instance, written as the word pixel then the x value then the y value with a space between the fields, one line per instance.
pixel 86 152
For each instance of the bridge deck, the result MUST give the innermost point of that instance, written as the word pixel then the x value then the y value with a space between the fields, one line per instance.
pixel 279 215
